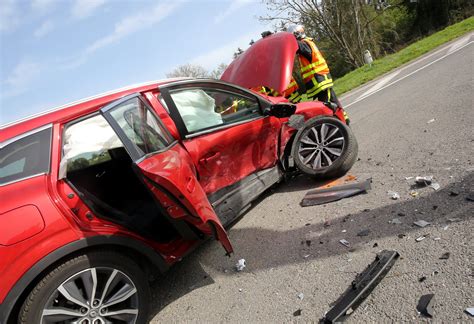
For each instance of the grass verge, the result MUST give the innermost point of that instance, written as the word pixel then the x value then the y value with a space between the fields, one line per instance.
pixel 387 63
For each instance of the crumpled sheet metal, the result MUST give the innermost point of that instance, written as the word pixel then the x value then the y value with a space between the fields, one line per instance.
pixel 327 195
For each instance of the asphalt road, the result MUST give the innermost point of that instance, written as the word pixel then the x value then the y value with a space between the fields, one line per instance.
pixel 390 119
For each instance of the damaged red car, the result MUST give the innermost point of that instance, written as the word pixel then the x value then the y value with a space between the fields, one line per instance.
pixel 98 194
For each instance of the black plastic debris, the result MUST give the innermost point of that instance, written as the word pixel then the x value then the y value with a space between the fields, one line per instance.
pixel 425 305
pixel 327 195
pixel 364 232
pixel 297 312
pixel 454 193
pixel 375 245
pixel 361 287
pixel 445 256
pixel 470 196
pixel 422 279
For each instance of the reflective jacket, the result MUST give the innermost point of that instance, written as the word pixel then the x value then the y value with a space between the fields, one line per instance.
pixel 314 75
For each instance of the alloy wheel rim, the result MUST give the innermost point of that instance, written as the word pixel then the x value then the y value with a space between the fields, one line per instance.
pixel 99 295
pixel 321 145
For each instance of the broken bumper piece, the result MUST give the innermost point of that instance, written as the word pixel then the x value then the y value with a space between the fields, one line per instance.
pixel 327 195
pixel 361 287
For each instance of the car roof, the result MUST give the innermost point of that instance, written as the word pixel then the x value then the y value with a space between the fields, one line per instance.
pixel 76 108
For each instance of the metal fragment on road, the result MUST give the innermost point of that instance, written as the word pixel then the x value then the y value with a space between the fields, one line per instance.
pixel 436 186
pixel 425 305
pixel 393 195
pixel 421 223
pixel 426 180
pixel 421 238
pixel 300 296
pixel 470 311
pixel 344 242
pixel 431 121
pixel 240 265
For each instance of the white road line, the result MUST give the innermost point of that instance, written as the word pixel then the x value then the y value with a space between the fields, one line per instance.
pixel 380 84
pixel 409 74
pixel 459 43
pixel 417 61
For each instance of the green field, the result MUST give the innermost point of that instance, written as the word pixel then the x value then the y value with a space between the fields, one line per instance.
pixel 392 61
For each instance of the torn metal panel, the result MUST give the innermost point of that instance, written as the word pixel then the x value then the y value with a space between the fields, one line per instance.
pixel 327 195
pixel 361 287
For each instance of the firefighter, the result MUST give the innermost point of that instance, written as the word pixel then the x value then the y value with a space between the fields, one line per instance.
pixel 311 78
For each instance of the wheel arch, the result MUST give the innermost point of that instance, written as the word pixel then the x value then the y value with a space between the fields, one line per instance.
pixel 145 256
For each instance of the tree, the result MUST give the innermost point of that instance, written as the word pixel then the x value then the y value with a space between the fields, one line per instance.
pixel 217 72
pixel 188 70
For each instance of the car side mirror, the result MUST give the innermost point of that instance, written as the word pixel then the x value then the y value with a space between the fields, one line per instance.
pixel 281 110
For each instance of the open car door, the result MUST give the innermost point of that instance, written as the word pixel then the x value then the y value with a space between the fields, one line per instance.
pixel 165 167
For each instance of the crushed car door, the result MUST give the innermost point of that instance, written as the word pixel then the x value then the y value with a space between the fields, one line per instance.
pixel 165 166
pixel 224 130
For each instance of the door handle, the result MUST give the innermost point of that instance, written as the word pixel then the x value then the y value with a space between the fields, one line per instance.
pixel 210 158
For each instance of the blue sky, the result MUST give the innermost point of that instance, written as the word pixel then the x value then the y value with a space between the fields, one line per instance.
pixel 57 51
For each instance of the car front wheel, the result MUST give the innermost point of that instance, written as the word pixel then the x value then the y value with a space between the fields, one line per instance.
pixel 325 148
pixel 94 288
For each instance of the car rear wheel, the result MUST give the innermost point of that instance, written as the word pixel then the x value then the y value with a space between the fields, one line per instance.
pixel 94 288
pixel 325 148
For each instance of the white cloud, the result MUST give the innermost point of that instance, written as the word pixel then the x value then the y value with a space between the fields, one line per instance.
pixel 235 5
pixel 44 29
pixel 134 23
pixel 84 8
pixel 224 54
pixel 9 15
pixel 20 78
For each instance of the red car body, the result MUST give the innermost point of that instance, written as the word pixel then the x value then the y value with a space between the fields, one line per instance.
pixel 44 218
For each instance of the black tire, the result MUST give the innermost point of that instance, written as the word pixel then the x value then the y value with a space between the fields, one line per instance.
pixel 340 164
pixel 33 306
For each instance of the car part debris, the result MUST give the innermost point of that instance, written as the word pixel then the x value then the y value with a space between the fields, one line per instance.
pixel 344 242
pixel 395 221
pixel 297 313
pixel 364 232
pixel 327 195
pixel 361 287
pixel 445 256
pixel 300 296
pixel 375 244
pixel 431 121
pixel 435 186
pixel 421 238
pixel 422 279
pixel 240 265
pixel 470 311
pixel 436 238
pixel 421 223
pixel 424 181
pixel 393 194
pixel 425 305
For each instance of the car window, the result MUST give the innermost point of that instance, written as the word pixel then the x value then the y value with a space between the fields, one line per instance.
pixel 88 142
pixel 203 109
pixel 140 126
pixel 25 157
